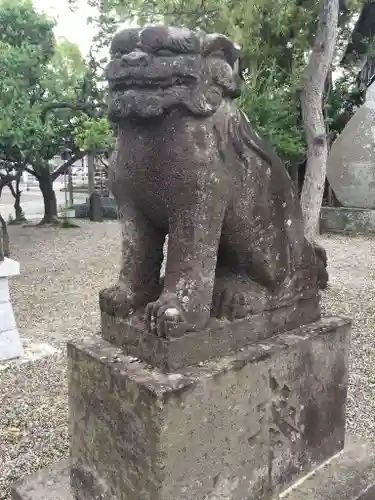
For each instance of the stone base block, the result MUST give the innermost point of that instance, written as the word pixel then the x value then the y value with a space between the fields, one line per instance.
pixel 109 209
pixel 349 475
pixel 219 339
pixel 347 220
pixel 240 427
pixel 52 483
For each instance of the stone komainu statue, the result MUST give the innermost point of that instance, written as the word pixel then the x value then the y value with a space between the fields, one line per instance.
pixel 189 164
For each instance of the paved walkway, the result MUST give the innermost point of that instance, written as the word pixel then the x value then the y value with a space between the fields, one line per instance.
pixel 32 201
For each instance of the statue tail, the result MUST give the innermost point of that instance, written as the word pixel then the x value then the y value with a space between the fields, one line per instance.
pixel 321 256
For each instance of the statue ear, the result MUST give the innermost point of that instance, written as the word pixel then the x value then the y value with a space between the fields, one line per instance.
pixel 220 44
pixel 125 40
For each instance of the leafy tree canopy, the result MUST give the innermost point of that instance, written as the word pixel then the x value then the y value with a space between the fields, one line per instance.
pixel 275 35
pixel 45 86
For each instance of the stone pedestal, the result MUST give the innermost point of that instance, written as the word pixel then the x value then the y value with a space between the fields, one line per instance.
pixel 10 343
pixel 239 427
pixel 348 475
pixel 251 425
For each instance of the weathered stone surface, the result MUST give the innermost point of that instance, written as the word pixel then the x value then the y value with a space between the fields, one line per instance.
pixel 351 161
pixel 347 220
pixel 220 338
pixel 239 427
pixel 48 484
pixel 347 476
pixel 189 164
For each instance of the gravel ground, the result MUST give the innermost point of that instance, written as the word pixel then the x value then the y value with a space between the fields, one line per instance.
pixel 56 299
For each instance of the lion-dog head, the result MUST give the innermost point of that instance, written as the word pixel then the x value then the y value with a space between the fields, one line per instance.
pixel 158 68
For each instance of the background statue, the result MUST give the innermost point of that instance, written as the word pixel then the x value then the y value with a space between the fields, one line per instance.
pixel 189 164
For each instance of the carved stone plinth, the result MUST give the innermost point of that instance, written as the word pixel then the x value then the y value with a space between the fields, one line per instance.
pixel 218 339
pixel 243 426
pixel 349 475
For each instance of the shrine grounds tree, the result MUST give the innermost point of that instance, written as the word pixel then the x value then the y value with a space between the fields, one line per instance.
pixel 281 46
pixel 45 86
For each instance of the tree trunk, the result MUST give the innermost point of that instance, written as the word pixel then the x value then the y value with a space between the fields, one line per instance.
pixel 90 172
pixel 49 199
pixel 70 186
pixel 17 202
pixel 16 193
pixel 312 112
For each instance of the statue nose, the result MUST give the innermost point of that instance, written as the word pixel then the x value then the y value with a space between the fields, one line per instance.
pixel 135 58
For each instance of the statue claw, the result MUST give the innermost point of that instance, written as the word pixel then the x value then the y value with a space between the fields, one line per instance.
pixel 165 318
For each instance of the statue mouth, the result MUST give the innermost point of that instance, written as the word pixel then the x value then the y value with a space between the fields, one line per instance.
pixel 124 84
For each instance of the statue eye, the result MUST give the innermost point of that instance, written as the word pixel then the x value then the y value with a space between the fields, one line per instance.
pixel 218 54
pixel 165 52
pixel 118 53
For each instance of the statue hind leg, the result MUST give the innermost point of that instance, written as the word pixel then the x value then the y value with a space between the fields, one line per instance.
pixel 267 282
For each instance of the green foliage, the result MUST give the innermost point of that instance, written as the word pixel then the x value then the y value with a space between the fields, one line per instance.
pixel 66 70
pixel 45 87
pixel 94 134
pixel 275 35
pixel 343 100
pixel 274 112
pixel 26 45
pixel 274 43
pixel 21 26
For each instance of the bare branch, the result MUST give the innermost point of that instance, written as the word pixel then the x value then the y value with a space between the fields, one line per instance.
pixel 30 171
pixel 75 106
pixel 105 165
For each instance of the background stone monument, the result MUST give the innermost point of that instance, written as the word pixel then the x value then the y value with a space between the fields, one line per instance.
pixel 351 164
pixel 351 173
pixel 219 381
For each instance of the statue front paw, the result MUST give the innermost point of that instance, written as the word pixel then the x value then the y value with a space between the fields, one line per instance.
pixel 165 317
pixel 117 301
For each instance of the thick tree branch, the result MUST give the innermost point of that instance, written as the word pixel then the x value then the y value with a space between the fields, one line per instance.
pixel 75 106
pixel 7 179
pixel 31 172
pixel 12 190
pixel 64 167
pixel 105 165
